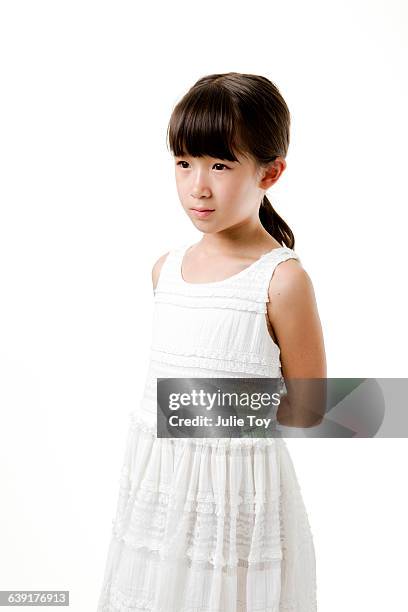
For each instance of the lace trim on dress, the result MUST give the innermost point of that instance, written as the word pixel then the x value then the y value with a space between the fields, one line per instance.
pixel 233 363
pixel 217 538
pixel 243 303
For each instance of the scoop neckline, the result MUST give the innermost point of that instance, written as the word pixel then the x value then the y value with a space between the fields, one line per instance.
pixel 232 277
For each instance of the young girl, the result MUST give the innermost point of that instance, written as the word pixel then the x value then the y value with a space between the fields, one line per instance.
pixel 219 524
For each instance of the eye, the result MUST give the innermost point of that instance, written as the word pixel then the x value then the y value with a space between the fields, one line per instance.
pixel 179 163
pixel 182 162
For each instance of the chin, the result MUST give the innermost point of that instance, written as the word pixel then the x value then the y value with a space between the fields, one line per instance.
pixel 203 229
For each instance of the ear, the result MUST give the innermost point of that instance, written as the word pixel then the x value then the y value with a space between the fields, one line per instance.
pixel 272 172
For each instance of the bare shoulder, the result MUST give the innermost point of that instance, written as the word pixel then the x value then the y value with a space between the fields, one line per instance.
pixel 157 266
pixel 290 281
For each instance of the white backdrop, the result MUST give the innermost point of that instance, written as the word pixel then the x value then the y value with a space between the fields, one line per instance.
pixel 88 203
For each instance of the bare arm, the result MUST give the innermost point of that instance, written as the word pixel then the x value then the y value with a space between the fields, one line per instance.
pixel 293 314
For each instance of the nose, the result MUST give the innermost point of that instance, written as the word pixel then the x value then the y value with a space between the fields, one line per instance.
pixel 200 188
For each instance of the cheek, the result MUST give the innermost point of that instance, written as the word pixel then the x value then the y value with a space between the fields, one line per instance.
pixel 235 197
pixel 181 186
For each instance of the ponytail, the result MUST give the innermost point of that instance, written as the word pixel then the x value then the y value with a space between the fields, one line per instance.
pixel 275 225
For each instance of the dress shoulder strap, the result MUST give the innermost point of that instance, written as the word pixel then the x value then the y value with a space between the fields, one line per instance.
pixel 169 271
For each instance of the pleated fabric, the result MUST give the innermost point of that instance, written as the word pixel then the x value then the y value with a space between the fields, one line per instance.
pixel 209 524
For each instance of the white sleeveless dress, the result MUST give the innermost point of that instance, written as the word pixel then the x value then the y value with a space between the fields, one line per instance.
pixel 209 524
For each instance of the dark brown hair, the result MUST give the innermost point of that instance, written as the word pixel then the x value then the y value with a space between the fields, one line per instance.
pixel 245 113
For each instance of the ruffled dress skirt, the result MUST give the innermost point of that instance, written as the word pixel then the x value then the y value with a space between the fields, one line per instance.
pixel 208 525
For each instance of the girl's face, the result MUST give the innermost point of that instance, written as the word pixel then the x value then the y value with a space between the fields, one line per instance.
pixel 232 190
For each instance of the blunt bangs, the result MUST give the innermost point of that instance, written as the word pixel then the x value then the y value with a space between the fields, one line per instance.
pixel 205 123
